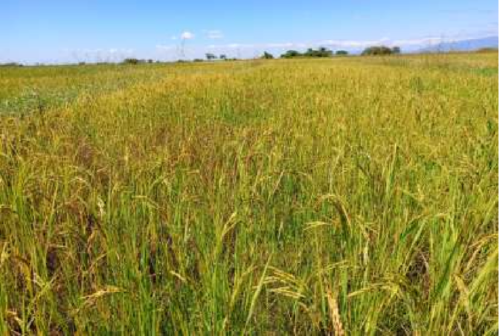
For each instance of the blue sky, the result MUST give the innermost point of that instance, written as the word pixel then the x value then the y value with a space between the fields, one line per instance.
pixel 93 30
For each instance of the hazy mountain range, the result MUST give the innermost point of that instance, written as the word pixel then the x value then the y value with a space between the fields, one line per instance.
pixel 424 45
pixel 463 45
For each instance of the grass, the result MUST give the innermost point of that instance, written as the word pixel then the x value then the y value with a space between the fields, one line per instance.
pixel 261 197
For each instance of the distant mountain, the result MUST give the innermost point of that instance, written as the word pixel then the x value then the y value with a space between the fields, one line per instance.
pixel 423 46
pixel 463 45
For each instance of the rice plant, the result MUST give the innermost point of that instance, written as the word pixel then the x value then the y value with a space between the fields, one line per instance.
pixel 349 196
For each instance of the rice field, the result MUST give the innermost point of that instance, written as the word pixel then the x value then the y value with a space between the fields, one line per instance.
pixel 345 196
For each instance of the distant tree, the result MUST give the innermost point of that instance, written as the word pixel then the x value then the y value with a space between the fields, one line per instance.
pixel 210 56
pixel 377 51
pixel 133 61
pixel 197 60
pixel 396 50
pixel 291 54
pixel 267 55
pixel 341 53
pixel 321 52
pixel 309 52
pixel 11 64
pixel 223 57
pixel 150 61
pixel 487 50
pixel 324 52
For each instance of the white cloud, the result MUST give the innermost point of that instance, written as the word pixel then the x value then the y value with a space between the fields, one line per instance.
pixel 173 51
pixel 97 55
pixel 419 42
pixel 162 47
pixel 283 45
pixel 351 45
pixel 357 44
pixel 187 35
pixel 280 45
pixel 214 34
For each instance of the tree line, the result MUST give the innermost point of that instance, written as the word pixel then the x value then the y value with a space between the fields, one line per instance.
pixel 324 52
pixel 321 52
